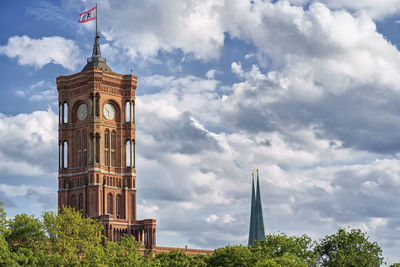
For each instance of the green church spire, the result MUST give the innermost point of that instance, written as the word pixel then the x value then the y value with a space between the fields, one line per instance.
pixel 257 231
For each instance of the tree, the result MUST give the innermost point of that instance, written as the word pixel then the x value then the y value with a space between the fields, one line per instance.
pixel 3 219
pixel 177 258
pixel 73 238
pixel 232 256
pixel 125 252
pixel 286 250
pixel 349 249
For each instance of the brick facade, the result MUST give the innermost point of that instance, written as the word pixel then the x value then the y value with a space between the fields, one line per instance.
pixel 97 172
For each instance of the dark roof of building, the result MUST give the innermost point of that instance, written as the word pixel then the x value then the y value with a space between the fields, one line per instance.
pixel 96 60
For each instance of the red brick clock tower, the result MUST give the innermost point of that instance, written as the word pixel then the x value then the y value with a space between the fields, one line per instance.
pixel 97 167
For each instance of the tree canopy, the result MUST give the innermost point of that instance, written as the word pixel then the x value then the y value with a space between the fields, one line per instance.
pixel 68 238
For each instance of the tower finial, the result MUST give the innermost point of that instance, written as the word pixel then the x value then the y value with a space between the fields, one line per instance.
pixel 96 46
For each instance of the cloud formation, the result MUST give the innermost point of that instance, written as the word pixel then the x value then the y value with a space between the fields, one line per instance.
pixel 39 52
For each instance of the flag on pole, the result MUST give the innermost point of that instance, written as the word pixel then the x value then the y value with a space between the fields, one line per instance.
pixel 88 15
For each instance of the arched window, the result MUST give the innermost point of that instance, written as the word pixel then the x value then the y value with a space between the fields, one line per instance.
pixel 107 147
pixel 118 206
pixel 73 201
pixel 79 147
pixel 109 203
pixel 133 111
pixel 84 148
pixel 65 154
pixel 127 111
pixel 91 105
pixel 65 112
pixel 113 146
pixel 60 115
pixel 60 155
pixel 97 147
pixel 133 207
pixel 133 153
pixel 97 103
pixel 80 207
pixel 128 154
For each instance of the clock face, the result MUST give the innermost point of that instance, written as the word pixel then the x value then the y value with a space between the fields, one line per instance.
pixel 82 112
pixel 109 111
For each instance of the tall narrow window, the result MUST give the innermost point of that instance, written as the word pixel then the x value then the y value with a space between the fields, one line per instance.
pixel 97 105
pixel 107 147
pixel 65 112
pixel 65 154
pixel 128 153
pixel 133 111
pixel 73 201
pixel 59 155
pixel 79 147
pixel 113 145
pixel 91 106
pixel 84 148
pixel 98 148
pixel 127 111
pixel 118 206
pixel 133 208
pixel 109 203
pixel 60 110
pixel 80 207
pixel 133 154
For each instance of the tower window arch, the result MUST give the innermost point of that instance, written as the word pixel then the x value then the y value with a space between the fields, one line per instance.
pixel 84 148
pixel 73 201
pixel 97 104
pixel 97 148
pixel 118 206
pixel 128 154
pixel 64 152
pixel 133 153
pixel 113 148
pixel 107 147
pixel 127 111
pixel 91 104
pixel 80 206
pixel 109 203
pixel 60 112
pixel 133 112
pixel 65 112
pixel 79 148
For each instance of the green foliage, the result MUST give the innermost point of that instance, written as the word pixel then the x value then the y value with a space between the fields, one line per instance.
pixel 71 239
pixel 349 249
pixel 24 231
pixel 232 256
pixel 286 250
pixel 397 264
pixel 3 219
pixel 177 258
pixel 124 252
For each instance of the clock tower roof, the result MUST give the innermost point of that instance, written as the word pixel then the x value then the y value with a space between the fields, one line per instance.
pixel 96 60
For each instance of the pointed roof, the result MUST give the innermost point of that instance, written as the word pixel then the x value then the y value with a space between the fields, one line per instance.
pixel 252 233
pixel 256 231
pixel 96 60
pixel 260 233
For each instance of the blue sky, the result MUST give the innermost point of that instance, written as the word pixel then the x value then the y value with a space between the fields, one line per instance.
pixel 306 91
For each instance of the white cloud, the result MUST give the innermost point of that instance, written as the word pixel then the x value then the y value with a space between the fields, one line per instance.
pixel 39 52
pixel 194 27
pixel 378 9
pixel 28 143
pixel 39 91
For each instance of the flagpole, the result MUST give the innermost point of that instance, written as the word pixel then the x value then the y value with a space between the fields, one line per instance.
pixel 96 19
